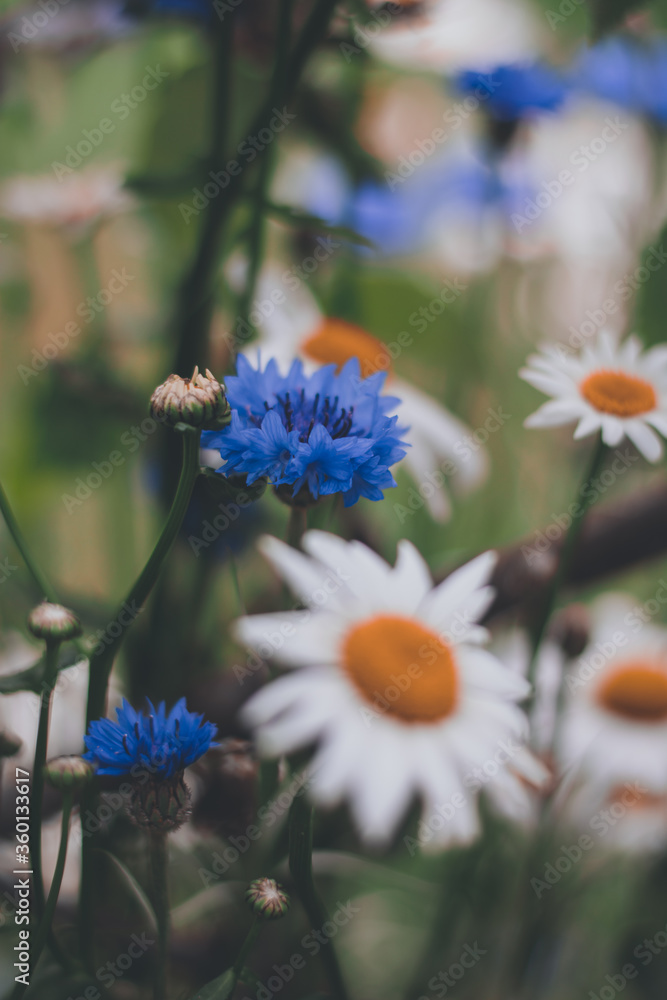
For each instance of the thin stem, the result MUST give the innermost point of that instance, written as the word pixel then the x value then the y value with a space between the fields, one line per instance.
pixel 584 499
pixel 234 570
pixel 48 683
pixel 196 297
pixel 44 930
pixel 296 525
pixel 159 867
pixel 246 948
pixel 101 662
pixel 301 869
pixel 41 583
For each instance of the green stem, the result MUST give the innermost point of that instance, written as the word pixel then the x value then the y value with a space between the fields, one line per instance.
pixel 44 930
pixel 245 950
pixel 301 869
pixel 159 867
pixel 101 662
pixel 296 525
pixel 257 223
pixel 48 683
pixel 41 583
pixel 195 305
pixel 583 501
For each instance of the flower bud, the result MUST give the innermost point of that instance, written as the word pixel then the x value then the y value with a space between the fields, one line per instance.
pixel 162 805
pixel 267 898
pixel 199 401
pixel 571 629
pixel 9 744
pixel 53 621
pixel 68 772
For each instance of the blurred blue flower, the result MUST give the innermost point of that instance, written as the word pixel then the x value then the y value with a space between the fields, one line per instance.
pixel 162 744
pixel 510 93
pixel 329 432
pixel 627 71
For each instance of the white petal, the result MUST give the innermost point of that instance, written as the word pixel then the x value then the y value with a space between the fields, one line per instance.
pixel 613 430
pixel 305 577
pixel 644 439
pixel 295 638
pixel 457 592
pixel 481 670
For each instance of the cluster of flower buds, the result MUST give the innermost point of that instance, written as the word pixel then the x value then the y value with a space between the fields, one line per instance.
pixel 198 402
pixel 267 898
pixel 53 623
pixel 163 804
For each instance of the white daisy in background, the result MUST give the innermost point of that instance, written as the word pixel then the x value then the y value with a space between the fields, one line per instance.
pixel 74 201
pixel 617 390
pixel 441 446
pixel 614 726
pixel 393 686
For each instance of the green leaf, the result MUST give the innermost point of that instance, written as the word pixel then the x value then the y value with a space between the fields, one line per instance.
pixel 218 989
pixel 303 220
pixel 134 887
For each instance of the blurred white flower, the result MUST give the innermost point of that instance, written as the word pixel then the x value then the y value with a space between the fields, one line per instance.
pixel 392 685
pixel 614 727
pixel 74 202
pixel 440 444
pixel 609 388
pixel 448 35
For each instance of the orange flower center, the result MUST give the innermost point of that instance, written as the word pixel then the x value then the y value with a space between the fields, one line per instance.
pixel 402 668
pixel 335 342
pixel 619 394
pixel 636 690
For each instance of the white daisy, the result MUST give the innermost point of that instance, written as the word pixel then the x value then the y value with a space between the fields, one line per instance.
pixel 393 686
pixel 441 448
pixel 609 388
pixel 614 727
pixel 626 817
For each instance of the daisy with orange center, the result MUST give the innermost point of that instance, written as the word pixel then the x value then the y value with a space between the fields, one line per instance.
pixel 614 727
pixel 441 448
pixel 393 687
pixel 611 388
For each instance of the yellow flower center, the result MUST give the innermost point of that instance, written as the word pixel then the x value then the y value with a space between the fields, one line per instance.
pixel 619 394
pixel 402 668
pixel 335 342
pixel 637 690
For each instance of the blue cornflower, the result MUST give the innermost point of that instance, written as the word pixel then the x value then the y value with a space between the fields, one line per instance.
pixel 521 90
pixel 628 71
pixel 162 744
pixel 329 432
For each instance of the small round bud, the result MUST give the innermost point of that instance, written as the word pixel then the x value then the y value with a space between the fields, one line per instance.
pixel 68 772
pixel 267 898
pixel 199 401
pixel 53 621
pixel 162 805
pixel 9 744
pixel 571 629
